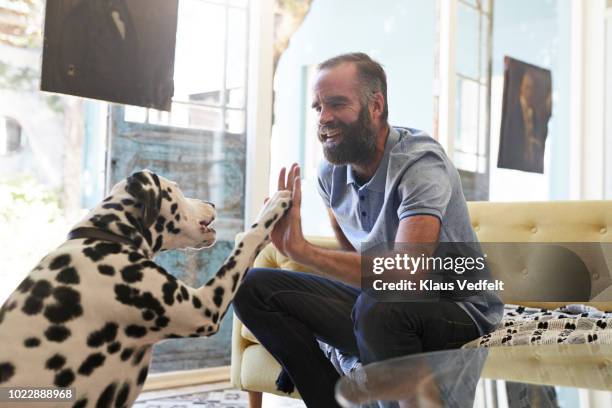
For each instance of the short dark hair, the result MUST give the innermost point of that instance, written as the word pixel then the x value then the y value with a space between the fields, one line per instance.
pixel 372 77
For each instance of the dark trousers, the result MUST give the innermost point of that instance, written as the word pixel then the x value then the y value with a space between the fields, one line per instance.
pixel 288 311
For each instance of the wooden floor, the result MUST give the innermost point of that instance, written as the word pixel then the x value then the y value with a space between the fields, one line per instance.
pixel 216 395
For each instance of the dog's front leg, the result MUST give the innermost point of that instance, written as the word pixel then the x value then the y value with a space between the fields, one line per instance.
pixel 212 300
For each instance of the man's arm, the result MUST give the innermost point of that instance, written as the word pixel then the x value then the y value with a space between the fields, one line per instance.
pixel 337 264
pixel 346 266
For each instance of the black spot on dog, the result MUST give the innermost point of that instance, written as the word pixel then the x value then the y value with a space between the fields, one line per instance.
pixel 57 333
pixel 107 199
pixel 127 201
pixel 135 331
pixel 235 278
pixel 177 217
pixel 283 204
pixel 7 370
pixel 68 275
pixel 32 306
pixel 101 250
pixel 237 252
pixel 158 243
pixel 159 224
pixel 197 303
pixel 173 208
pixel 168 289
pixel 142 376
pixel 31 342
pixel 106 398
pixel 41 289
pixel 82 403
pixel 122 395
pixel 106 270
pixel 179 298
pixel 215 317
pixel 106 334
pixel 254 225
pixel 131 296
pixel 126 354
pixel 207 313
pixel 184 293
pixel 60 262
pixel 113 206
pixel 171 229
pixel 162 321
pixel 108 248
pixel 92 362
pixel 132 273
pixel 166 196
pixel 148 315
pixel 64 378
pixel 218 296
pixel 67 307
pixel 139 356
pixel 135 256
pixel 201 329
pixel 92 254
pixel 56 362
pixel 240 245
pixel 113 347
pixel 25 285
pixel 270 221
pixel 125 229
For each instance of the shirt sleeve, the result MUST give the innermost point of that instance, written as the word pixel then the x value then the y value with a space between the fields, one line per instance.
pixel 424 188
pixel 324 183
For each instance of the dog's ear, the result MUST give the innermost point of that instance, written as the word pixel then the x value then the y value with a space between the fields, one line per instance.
pixel 145 187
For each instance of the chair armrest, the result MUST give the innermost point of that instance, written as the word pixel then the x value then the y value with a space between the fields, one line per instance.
pixel 239 344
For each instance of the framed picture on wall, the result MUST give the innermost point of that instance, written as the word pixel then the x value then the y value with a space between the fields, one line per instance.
pixel 115 50
pixel 526 109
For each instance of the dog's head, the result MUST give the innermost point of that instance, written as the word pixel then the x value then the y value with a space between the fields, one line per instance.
pixel 164 216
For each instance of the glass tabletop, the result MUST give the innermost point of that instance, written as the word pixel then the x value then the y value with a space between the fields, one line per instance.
pixel 542 376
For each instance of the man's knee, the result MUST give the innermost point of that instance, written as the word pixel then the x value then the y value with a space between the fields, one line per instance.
pixel 376 321
pixel 369 318
pixel 251 291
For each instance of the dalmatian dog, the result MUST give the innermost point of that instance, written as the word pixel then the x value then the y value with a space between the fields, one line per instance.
pixel 87 316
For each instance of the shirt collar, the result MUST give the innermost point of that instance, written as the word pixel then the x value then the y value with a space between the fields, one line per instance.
pixel 377 182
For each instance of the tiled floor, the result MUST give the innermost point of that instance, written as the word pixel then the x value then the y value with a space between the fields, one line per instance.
pixel 209 396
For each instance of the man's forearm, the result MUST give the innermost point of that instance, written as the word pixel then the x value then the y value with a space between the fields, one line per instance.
pixel 336 264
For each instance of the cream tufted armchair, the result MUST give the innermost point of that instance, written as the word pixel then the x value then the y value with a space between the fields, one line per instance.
pixel 255 370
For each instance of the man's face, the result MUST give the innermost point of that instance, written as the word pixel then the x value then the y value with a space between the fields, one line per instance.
pixel 345 125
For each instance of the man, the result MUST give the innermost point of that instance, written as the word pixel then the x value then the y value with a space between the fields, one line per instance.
pixel 380 184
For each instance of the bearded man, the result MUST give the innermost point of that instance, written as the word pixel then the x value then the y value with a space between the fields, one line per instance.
pixel 380 184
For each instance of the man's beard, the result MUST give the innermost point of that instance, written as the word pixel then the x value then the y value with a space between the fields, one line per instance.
pixel 357 141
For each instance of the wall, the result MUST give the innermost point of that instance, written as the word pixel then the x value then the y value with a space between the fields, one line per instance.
pixel 537 32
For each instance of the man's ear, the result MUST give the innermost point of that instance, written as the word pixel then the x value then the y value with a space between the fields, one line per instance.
pixel 377 105
pixel 144 186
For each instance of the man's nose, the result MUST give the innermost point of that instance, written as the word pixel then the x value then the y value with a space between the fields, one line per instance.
pixel 325 117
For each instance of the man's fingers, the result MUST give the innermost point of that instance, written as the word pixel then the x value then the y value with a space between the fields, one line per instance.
pixel 297 192
pixel 281 179
pixel 291 176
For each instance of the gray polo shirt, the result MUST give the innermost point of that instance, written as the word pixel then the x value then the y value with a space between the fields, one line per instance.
pixel 414 177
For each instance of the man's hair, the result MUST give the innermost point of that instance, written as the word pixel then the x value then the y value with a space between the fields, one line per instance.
pixel 371 76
